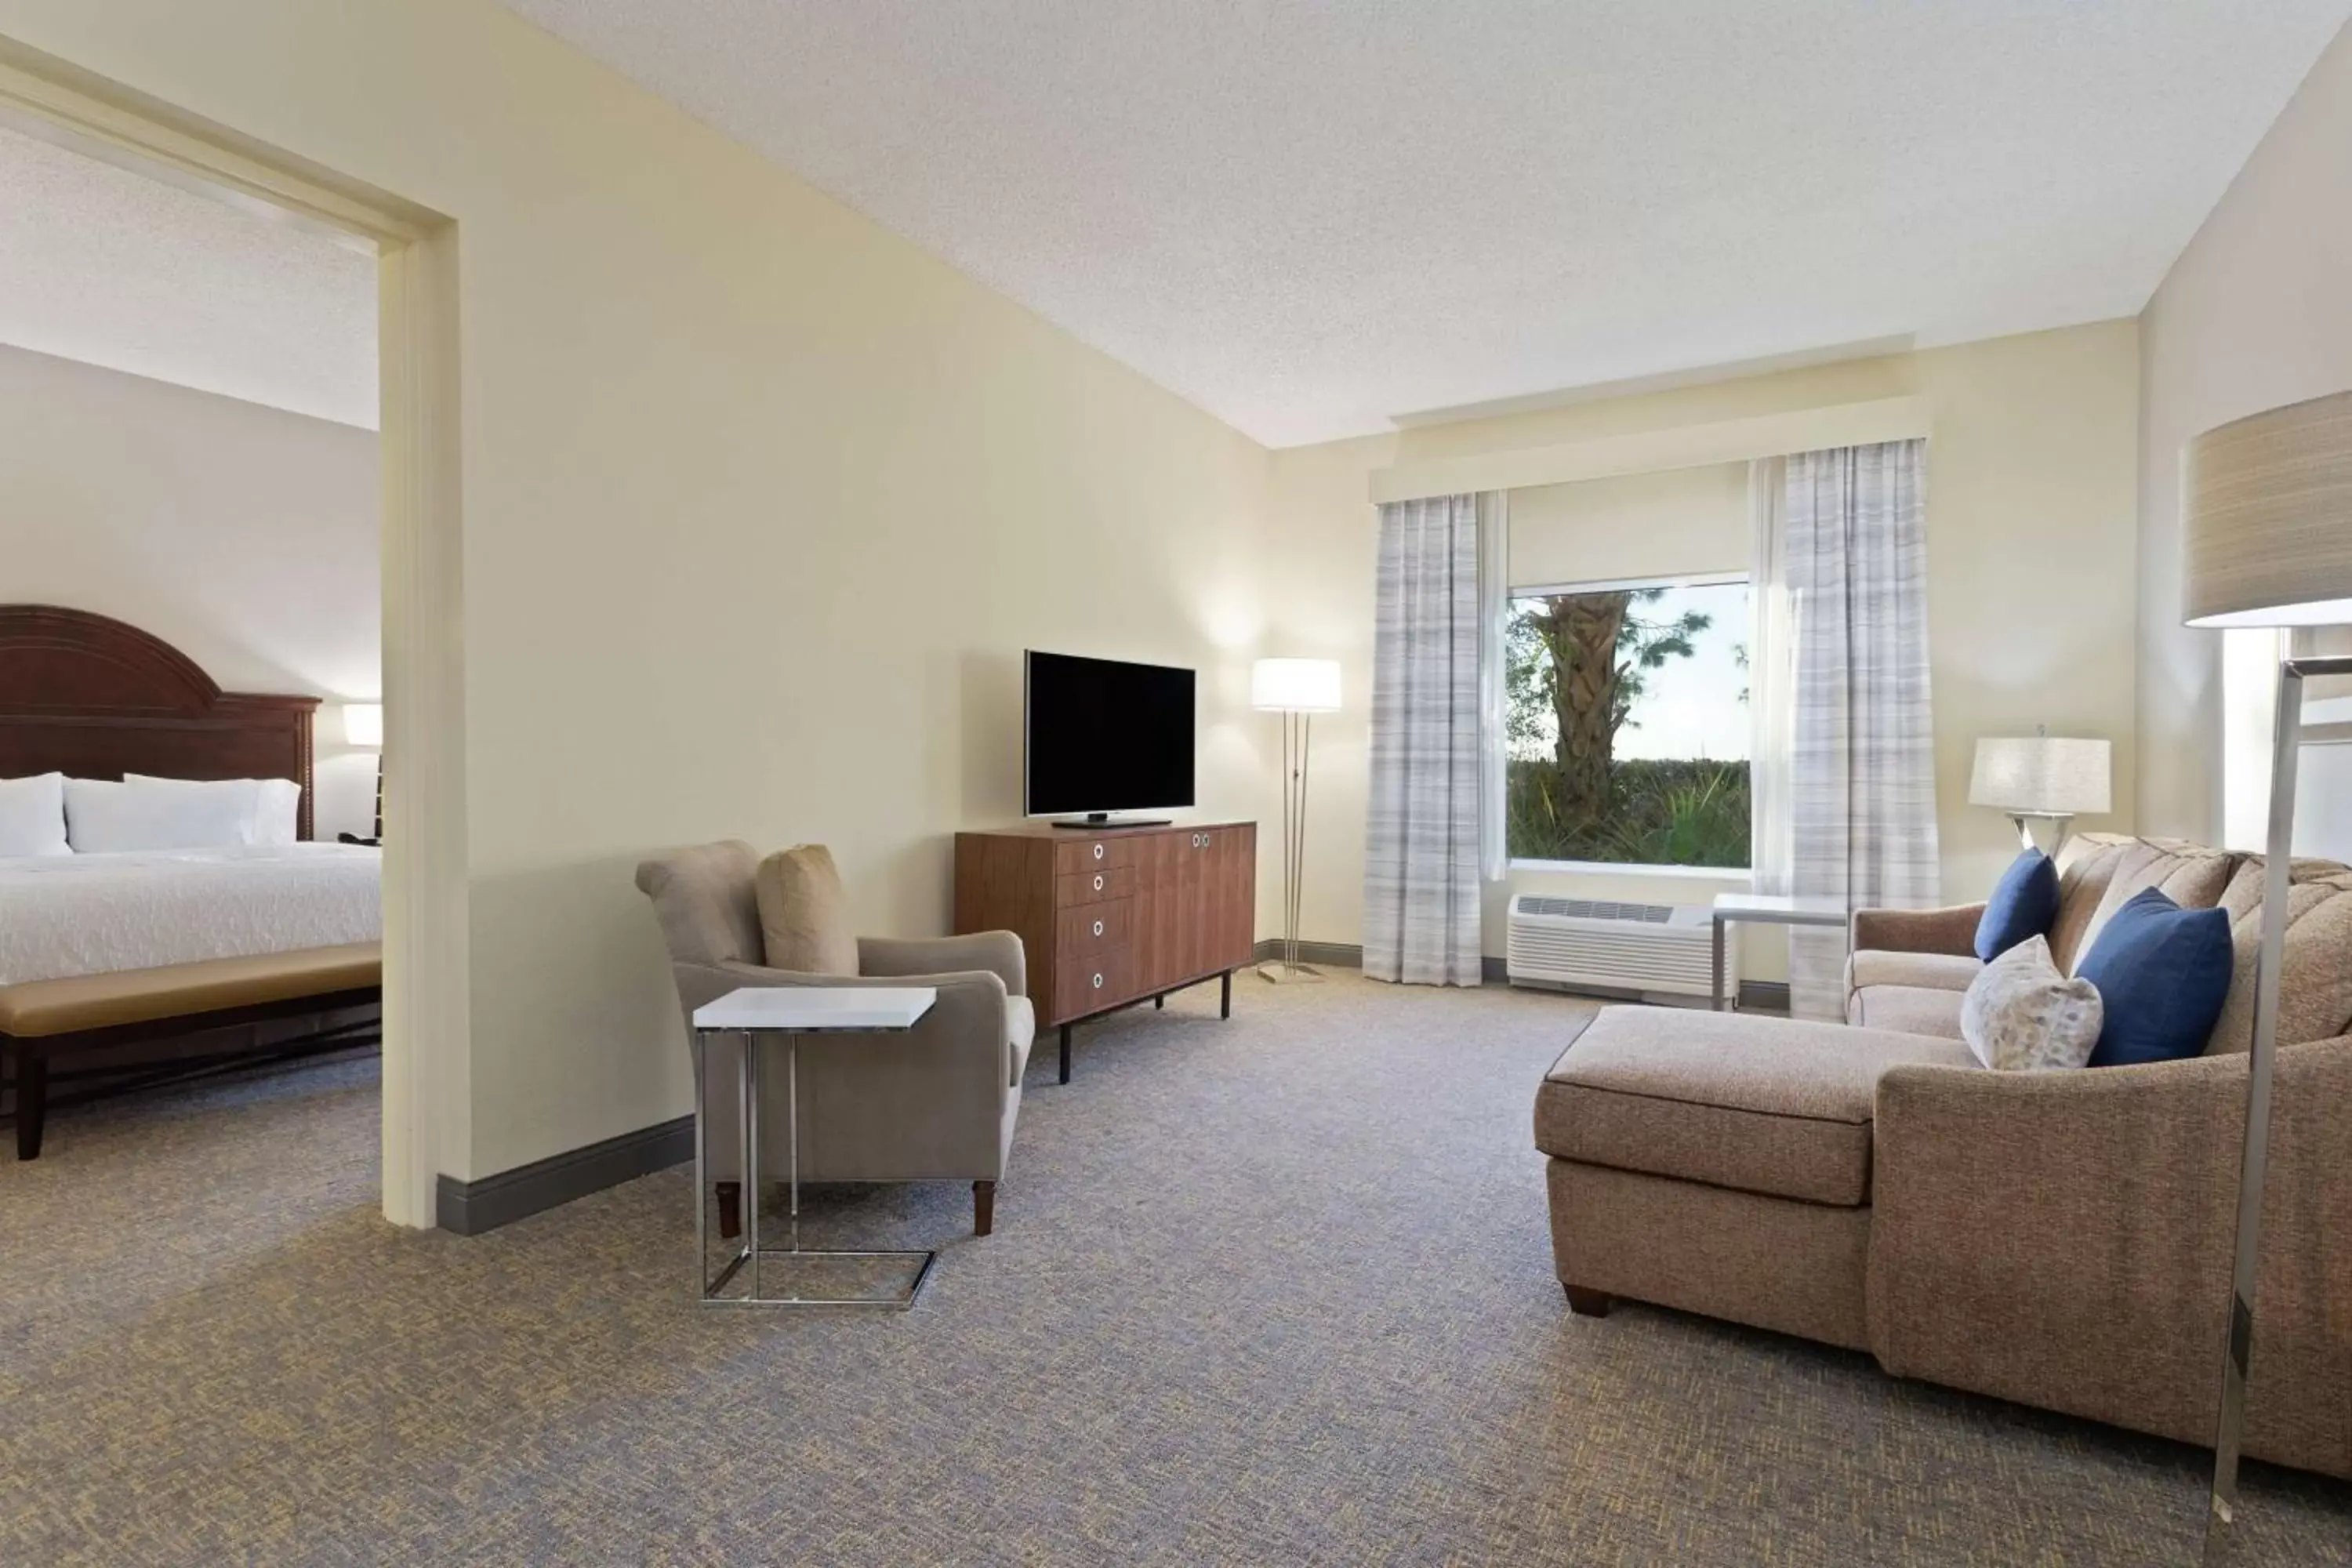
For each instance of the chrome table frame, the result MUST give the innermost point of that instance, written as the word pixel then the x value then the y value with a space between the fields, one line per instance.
pixel 1790 913
pixel 748 1255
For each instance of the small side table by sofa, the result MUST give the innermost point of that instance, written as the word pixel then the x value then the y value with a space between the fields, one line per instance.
pixel 762 1015
pixel 1769 909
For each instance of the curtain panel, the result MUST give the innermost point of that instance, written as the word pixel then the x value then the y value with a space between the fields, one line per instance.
pixel 1862 797
pixel 1421 834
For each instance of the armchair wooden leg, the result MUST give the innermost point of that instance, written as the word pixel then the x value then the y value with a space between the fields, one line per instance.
pixel 730 1209
pixel 1587 1303
pixel 983 1208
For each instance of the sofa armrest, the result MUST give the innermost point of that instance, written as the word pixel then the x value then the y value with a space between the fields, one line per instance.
pixel 997 952
pixel 1951 930
pixel 2064 1239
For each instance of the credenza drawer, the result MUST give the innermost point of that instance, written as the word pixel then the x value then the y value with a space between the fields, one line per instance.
pixel 1094 887
pixel 1084 854
pixel 1091 928
pixel 1086 985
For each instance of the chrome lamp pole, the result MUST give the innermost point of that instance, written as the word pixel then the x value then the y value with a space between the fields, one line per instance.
pixel 2267 516
pixel 1298 688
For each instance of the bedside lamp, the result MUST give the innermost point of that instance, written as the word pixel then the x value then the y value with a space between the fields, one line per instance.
pixel 1298 688
pixel 2042 778
pixel 363 727
pixel 2267 514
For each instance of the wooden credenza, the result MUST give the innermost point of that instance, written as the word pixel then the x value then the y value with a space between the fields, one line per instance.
pixel 1112 916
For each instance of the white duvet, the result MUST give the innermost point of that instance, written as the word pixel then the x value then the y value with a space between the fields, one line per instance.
pixel 87 914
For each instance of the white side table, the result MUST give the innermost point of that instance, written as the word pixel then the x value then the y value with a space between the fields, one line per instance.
pixel 1769 908
pixel 760 1014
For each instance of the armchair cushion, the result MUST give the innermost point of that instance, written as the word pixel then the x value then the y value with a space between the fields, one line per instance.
pixel 804 913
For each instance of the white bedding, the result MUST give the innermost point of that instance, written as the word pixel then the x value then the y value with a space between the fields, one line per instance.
pixel 87 914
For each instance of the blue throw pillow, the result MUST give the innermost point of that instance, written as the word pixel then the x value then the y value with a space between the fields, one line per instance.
pixel 2023 904
pixel 2163 973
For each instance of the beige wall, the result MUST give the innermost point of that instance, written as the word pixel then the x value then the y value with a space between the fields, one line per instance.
pixel 243 536
pixel 760 505
pixel 1680 522
pixel 2031 534
pixel 2255 313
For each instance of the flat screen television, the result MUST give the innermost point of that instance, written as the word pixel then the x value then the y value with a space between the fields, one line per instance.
pixel 1100 735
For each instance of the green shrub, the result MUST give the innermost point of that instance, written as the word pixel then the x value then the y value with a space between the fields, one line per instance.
pixel 1661 813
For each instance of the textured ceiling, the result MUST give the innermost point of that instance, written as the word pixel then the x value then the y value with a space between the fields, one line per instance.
pixel 1312 218
pixel 116 269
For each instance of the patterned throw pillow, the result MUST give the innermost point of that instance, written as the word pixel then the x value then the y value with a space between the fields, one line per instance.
pixel 2021 1013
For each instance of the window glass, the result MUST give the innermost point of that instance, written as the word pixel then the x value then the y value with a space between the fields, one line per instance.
pixel 1628 723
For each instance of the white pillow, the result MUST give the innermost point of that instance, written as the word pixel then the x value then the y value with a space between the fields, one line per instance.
pixel 105 817
pixel 274 815
pixel 2020 1012
pixel 275 802
pixel 33 816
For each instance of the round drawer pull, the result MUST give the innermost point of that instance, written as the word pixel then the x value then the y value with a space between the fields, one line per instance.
pixel 1098 928
pixel 1099 849
pixel 1098 882
pixel 1198 840
pixel 1098 982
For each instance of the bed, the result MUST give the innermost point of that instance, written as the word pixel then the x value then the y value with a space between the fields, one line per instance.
pixel 124 970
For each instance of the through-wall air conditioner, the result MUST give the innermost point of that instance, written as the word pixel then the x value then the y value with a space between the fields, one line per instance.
pixel 1589 944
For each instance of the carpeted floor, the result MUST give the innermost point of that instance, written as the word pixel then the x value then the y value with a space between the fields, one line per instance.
pixel 1271 1291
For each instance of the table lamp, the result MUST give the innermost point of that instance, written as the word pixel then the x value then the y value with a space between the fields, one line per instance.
pixel 2040 778
pixel 1298 688
pixel 2267 515
pixel 363 727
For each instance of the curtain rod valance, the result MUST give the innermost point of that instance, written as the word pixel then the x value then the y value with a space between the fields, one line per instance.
pixel 1650 451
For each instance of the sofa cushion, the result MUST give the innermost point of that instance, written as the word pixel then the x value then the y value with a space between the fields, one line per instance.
pixel 2162 973
pixel 2192 875
pixel 1934 970
pixel 1930 1010
pixel 2315 967
pixel 2023 903
pixel 1766 1105
pixel 804 913
pixel 2022 1015
pixel 2086 863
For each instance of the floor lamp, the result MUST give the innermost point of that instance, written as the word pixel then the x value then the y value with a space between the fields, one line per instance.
pixel 2267 503
pixel 1298 688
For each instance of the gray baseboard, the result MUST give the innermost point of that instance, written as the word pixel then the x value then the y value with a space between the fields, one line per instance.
pixel 469 1208
pixel 1332 954
pixel 1764 995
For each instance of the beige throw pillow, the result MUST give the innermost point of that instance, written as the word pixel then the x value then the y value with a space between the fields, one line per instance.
pixel 803 912
pixel 2021 1014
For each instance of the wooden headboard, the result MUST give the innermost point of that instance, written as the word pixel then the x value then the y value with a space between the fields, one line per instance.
pixel 95 699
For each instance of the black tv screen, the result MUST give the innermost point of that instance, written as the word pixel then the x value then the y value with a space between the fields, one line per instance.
pixel 1105 736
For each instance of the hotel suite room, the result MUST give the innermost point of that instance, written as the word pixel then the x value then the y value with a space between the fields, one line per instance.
pixel 760 386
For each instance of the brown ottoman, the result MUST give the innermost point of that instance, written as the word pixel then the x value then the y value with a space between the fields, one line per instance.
pixel 1719 1162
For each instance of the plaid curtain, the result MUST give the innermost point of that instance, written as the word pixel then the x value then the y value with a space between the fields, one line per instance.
pixel 1421 841
pixel 1863 815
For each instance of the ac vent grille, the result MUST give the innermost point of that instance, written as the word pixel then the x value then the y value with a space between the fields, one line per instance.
pixel 1592 909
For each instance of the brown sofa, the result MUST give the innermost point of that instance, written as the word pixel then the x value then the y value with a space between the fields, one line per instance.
pixel 2058 1238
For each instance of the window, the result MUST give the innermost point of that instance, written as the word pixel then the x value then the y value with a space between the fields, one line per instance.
pixel 1628 738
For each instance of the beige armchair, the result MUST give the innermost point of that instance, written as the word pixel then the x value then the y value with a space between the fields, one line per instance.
pixel 935 1104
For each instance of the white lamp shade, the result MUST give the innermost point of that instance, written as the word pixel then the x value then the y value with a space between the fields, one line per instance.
pixel 2041 774
pixel 363 724
pixel 2267 519
pixel 1295 685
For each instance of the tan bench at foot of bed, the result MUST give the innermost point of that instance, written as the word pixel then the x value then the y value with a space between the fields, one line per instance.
pixel 42 1021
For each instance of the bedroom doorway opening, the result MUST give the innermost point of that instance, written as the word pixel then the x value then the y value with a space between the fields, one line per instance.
pixel 319 730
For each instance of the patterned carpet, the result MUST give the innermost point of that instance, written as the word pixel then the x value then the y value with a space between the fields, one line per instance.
pixel 1270 1291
